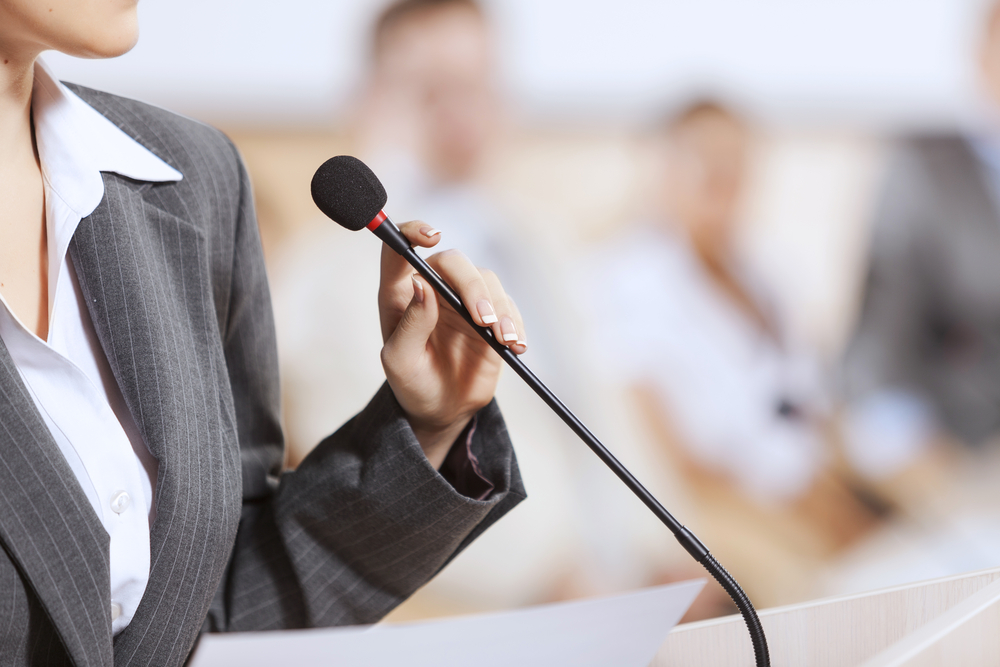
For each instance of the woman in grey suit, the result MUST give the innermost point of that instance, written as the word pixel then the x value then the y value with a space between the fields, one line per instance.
pixel 141 496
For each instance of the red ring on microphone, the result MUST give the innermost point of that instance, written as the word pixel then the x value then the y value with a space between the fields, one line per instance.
pixel 377 220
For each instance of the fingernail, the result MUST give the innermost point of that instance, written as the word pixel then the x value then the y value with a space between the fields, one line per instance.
pixel 429 232
pixel 418 289
pixel 522 343
pixel 486 313
pixel 508 330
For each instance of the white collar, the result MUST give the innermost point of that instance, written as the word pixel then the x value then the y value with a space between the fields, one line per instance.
pixel 76 143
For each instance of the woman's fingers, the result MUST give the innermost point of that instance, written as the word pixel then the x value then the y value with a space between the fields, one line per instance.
pixel 456 270
pixel 480 291
pixel 409 338
pixel 521 346
pixel 395 269
pixel 395 288
pixel 420 234
pixel 510 322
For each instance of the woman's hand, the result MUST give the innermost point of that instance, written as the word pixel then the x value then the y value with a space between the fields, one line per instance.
pixel 440 370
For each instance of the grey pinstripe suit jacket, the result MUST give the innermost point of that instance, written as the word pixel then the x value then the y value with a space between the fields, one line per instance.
pixel 174 280
pixel 930 321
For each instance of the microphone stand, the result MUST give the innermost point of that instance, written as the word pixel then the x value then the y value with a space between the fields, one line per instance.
pixel 391 236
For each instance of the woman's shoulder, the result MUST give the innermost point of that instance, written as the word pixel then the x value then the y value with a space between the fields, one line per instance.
pixel 215 184
pixel 186 144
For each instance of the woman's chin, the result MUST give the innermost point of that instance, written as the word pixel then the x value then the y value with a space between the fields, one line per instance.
pixel 110 45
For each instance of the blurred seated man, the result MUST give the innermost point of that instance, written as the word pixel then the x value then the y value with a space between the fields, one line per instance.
pixel 429 119
pixel 924 361
pixel 427 123
pixel 738 410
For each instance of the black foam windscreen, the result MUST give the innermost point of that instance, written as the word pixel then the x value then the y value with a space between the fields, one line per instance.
pixel 347 191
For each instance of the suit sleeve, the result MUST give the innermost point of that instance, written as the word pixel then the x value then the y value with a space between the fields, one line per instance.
pixel 365 520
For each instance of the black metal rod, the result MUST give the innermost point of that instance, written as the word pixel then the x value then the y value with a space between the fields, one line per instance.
pixel 388 232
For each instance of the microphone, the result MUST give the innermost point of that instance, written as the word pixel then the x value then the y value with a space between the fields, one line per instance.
pixel 350 194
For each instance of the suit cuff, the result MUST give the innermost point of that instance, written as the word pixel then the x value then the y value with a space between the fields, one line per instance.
pixel 462 469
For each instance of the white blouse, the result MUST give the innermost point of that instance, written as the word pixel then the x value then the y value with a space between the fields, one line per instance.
pixel 68 375
pixel 729 388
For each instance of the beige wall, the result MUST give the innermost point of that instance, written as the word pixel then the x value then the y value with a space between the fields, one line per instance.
pixel 806 211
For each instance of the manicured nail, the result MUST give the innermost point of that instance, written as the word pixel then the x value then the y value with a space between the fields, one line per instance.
pixel 523 343
pixel 429 232
pixel 508 330
pixel 486 313
pixel 418 289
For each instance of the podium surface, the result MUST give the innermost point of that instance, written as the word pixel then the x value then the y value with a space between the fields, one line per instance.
pixel 919 624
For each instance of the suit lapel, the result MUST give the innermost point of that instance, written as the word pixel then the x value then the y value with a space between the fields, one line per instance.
pixel 49 528
pixel 144 274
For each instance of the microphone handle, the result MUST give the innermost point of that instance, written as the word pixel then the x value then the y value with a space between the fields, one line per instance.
pixel 391 236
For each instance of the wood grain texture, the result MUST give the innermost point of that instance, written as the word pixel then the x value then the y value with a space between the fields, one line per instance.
pixel 835 632
pixel 964 635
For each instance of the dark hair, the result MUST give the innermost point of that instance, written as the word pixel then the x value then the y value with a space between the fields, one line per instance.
pixel 696 108
pixel 403 10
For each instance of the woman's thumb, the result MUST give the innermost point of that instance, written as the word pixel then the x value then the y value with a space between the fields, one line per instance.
pixel 409 339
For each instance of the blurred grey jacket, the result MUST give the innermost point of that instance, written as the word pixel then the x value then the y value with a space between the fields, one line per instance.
pixel 173 277
pixel 930 323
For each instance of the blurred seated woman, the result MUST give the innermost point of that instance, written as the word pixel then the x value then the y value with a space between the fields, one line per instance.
pixel 741 414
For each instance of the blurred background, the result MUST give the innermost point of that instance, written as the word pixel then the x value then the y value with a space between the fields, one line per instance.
pixel 755 245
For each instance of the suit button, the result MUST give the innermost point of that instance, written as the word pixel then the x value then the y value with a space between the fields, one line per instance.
pixel 116 611
pixel 120 502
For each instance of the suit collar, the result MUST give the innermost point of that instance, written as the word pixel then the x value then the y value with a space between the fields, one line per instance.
pixel 75 145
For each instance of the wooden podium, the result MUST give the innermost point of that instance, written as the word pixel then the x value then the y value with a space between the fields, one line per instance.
pixel 943 622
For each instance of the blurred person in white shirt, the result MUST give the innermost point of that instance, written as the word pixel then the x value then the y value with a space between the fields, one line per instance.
pixel 693 325
pixel 734 405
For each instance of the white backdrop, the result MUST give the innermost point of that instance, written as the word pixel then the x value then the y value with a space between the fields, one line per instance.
pixel 297 61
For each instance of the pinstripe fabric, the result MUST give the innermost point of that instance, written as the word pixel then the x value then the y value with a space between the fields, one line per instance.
pixel 174 280
pixel 55 549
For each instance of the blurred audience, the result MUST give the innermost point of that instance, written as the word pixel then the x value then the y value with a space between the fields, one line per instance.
pixel 697 385
pixel 739 419
pixel 740 412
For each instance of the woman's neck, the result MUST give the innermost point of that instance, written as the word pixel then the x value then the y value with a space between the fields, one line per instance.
pixel 16 80
pixel 23 237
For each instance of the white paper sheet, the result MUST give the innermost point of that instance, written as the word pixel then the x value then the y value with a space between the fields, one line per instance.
pixel 620 631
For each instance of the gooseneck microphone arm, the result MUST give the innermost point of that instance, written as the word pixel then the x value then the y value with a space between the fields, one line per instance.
pixel 383 228
pixel 346 190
